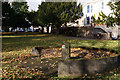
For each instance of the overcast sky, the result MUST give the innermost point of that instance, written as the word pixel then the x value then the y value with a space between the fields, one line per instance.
pixel 33 4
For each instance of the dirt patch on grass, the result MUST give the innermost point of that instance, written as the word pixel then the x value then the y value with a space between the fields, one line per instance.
pixel 76 52
pixel 48 62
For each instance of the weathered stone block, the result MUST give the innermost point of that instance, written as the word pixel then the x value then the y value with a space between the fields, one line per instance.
pixel 36 51
pixel 66 51
pixel 78 67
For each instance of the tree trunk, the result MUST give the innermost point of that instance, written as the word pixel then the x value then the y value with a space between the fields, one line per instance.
pixel 57 30
pixel 52 29
pixel 65 25
pixel 42 30
pixel 47 29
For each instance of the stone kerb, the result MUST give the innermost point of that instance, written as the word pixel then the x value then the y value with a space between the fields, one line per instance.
pixel 78 67
pixel 69 66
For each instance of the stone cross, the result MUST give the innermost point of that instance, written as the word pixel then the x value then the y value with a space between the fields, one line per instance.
pixel 66 51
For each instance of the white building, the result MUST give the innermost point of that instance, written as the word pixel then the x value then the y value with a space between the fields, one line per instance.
pixel 93 8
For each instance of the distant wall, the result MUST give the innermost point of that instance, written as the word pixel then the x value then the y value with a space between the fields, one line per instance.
pixel 86 32
pixel 77 31
pixel 115 29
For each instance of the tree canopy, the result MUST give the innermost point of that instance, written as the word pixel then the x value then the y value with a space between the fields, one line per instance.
pixel 14 15
pixel 7 13
pixel 113 17
pixel 58 13
pixel 48 13
pixel 20 7
pixel 32 17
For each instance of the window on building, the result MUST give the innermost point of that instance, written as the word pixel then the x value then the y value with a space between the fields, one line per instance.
pixel 88 8
pixel 92 19
pixel 76 22
pixel 91 8
pixel 88 20
pixel 102 5
pixel 111 1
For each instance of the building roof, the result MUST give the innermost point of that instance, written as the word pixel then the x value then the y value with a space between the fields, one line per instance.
pixel 92 1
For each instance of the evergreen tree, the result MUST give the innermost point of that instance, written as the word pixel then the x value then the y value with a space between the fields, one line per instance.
pixel 7 15
pixel 21 14
pixel 58 13
pixel 20 7
pixel 14 15
pixel 113 17
pixel 32 18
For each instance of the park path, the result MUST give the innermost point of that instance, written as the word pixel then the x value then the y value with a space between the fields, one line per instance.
pixel 80 38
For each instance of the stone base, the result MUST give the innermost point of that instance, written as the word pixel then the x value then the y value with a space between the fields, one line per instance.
pixel 73 67
pixel 37 51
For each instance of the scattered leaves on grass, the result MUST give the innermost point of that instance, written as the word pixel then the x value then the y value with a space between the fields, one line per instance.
pixel 12 72
pixel 18 49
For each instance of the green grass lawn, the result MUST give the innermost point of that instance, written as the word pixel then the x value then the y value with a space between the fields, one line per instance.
pixel 20 42
pixel 20 46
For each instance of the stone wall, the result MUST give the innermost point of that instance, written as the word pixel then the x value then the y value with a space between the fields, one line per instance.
pixel 77 31
pixel 86 32
pixel 76 68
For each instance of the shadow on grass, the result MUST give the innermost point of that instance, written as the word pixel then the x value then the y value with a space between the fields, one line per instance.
pixel 49 40
pixel 17 43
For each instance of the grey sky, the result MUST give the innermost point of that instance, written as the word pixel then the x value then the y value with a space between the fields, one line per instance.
pixel 33 4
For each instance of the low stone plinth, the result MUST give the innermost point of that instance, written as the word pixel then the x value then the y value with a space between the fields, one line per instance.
pixel 37 51
pixel 72 67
